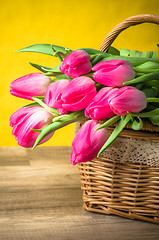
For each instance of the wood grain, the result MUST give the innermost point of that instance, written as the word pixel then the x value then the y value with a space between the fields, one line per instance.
pixel 41 199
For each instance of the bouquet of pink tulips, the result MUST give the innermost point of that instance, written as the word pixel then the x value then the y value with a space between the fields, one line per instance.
pixel 115 87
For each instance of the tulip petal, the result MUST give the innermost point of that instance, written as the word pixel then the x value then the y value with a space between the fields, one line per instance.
pixel 76 63
pixel 127 99
pixel 53 95
pixel 113 73
pixel 34 84
pixel 78 93
pixel 87 142
pixel 109 64
pixel 99 108
pixel 27 118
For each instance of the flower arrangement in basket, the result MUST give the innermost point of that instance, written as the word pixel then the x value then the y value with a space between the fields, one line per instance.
pixel 98 88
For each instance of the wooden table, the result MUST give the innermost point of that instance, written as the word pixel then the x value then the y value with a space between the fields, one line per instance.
pixel 41 199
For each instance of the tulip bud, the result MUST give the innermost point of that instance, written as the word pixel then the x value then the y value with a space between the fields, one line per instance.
pixel 26 118
pixel 88 142
pixel 28 86
pixel 127 99
pixel 76 63
pixel 99 108
pixel 53 95
pixel 113 73
pixel 78 93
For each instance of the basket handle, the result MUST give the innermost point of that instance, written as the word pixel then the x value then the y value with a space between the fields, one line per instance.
pixel 131 21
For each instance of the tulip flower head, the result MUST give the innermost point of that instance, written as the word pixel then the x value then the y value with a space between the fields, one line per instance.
pixel 28 86
pixel 113 73
pixel 76 64
pixel 88 142
pixel 26 118
pixel 127 99
pixel 53 95
pixel 99 108
pixel 78 93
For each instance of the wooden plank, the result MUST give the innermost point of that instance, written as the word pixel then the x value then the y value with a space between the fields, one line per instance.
pixel 41 199
pixel 73 223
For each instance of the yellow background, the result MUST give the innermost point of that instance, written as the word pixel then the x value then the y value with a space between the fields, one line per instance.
pixel 72 24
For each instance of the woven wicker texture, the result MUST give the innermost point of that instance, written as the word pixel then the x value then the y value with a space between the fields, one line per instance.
pixel 112 184
pixel 124 189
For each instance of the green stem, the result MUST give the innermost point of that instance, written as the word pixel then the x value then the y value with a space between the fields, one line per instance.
pixel 57 54
pixel 58 118
pixel 51 110
pixel 92 57
pixel 146 114
pixel 152 99
pixel 57 125
pixel 109 122
pixel 97 59
pixel 146 70
pixel 144 78
pixel 122 123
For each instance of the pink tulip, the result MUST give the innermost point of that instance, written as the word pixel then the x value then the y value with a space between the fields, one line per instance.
pixel 78 93
pixel 26 118
pixel 127 99
pixel 99 108
pixel 53 95
pixel 113 73
pixel 34 84
pixel 76 63
pixel 88 142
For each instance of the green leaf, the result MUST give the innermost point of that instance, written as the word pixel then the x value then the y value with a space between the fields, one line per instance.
pixel 62 76
pixel 109 122
pixel 69 50
pixel 135 53
pixel 147 67
pixel 59 124
pixel 154 120
pixel 150 92
pixel 144 78
pixel 134 61
pixel 41 103
pixel 122 123
pixel 92 51
pixel 113 50
pixel 146 114
pixel 60 55
pixel 32 104
pixel 152 83
pixel 44 48
pixel 96 59
pixel 139 86
pixel 46 69
pixel 136 124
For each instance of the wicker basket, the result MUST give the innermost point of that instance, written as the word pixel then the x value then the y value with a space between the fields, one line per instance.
pixel 125 189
